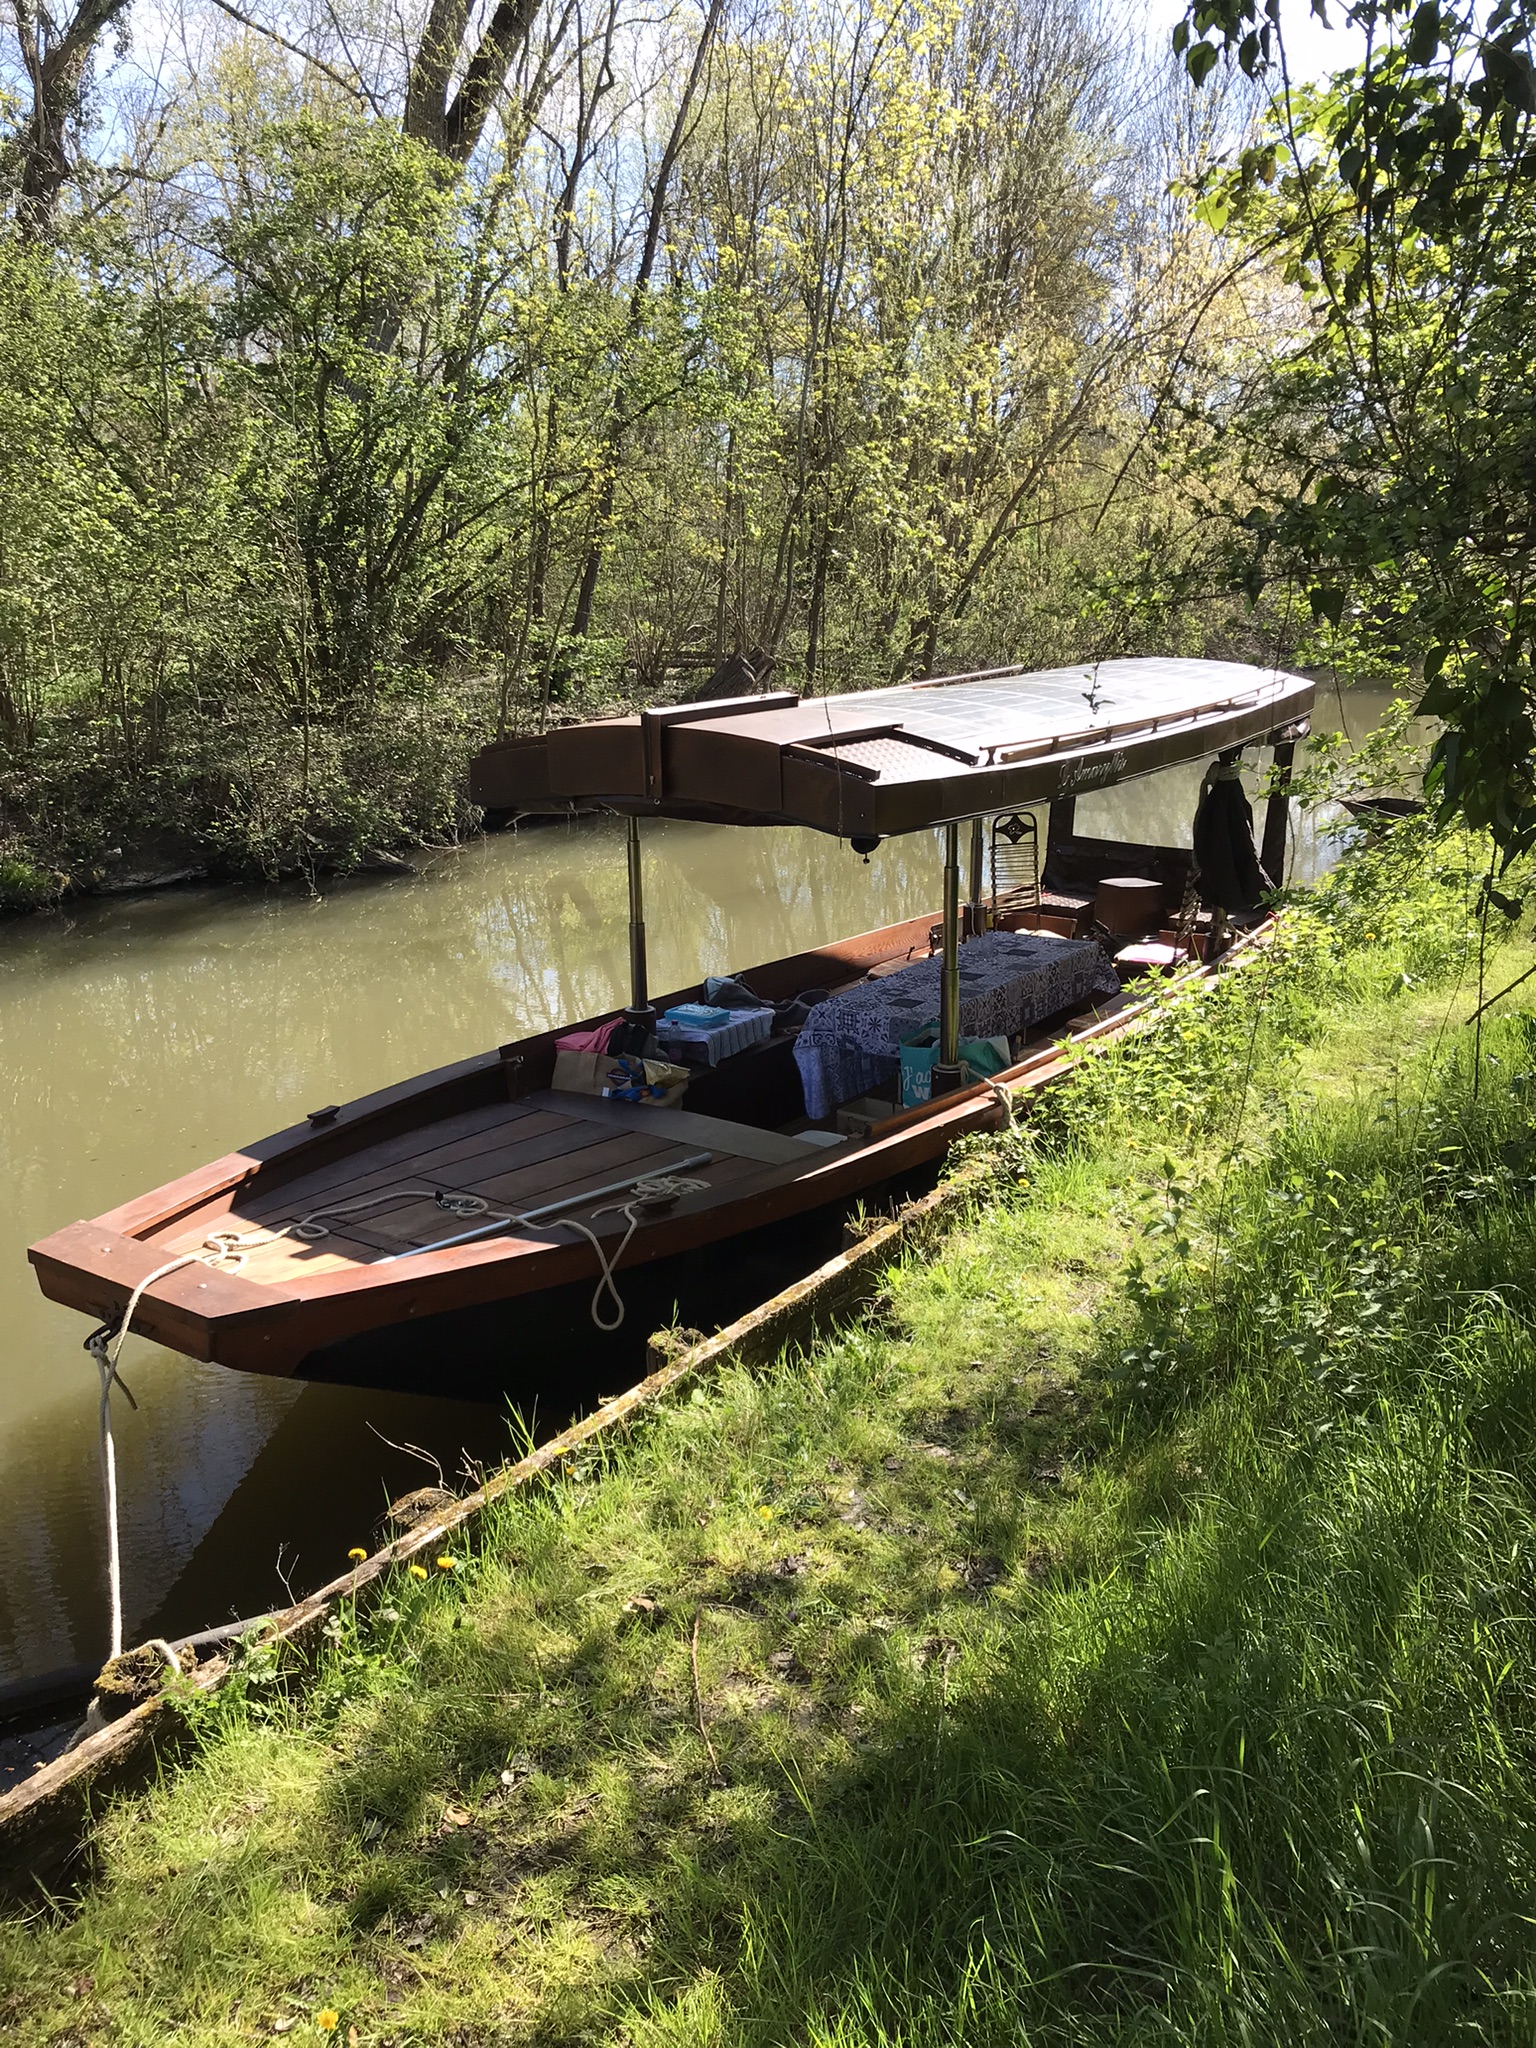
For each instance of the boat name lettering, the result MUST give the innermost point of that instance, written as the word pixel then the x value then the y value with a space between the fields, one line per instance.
pixel 1090 774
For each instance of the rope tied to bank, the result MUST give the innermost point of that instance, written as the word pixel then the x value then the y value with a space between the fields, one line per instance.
pixel 105 1347
pixel 227 1251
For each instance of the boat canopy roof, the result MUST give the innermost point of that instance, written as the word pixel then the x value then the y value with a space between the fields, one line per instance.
pixel 880 762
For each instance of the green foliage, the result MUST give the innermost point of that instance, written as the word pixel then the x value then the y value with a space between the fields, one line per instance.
pixel 212 608
pixel 312 438
pixel 1389 456
pixel 1388 760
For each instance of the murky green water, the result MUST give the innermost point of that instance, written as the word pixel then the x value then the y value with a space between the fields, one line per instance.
pixel 143 1036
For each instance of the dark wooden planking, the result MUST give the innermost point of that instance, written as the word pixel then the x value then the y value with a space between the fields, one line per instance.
pixel 420 1222
pixel 477 1175
pixel 523 1173
pixel 459 1137
pixel 423 1223
pixel 721 1172
pixel 249 1212
pixel 613 1154
pixel 772 1148
pixel 460 1165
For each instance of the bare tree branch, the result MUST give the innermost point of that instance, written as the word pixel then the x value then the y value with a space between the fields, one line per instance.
pixel 348 85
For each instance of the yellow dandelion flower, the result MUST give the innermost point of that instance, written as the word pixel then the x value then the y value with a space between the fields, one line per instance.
pixel 357 1553
pixel 418 1571
pixel 327 2021
pixel 447 1564
pixel 766 1513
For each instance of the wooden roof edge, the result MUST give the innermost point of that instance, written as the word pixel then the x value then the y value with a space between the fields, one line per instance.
pixel 625 763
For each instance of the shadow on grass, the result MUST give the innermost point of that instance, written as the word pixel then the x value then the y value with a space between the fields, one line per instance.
pixel 1239 1752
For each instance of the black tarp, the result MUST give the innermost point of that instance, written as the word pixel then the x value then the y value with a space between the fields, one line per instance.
pixel 1230 877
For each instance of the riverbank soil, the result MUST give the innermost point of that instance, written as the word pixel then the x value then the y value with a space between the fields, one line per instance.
pixel 1125 1636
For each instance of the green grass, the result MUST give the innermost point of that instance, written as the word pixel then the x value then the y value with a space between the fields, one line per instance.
pixel 1123 1637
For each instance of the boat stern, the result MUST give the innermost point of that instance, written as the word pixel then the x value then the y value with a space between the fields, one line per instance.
pixel 204 1313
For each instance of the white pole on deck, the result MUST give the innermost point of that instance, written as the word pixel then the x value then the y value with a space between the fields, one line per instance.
pixel 946 1072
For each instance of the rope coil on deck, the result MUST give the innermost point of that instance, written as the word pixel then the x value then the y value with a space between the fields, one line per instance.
pixel 652 1191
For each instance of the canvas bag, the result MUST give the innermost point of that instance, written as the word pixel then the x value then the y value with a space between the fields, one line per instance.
pixel 656 1083
pixel 581 1073
pixel 626 1079
pixel 920 1054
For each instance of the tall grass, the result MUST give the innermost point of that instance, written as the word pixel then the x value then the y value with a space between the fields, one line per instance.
pixel 1259 1769
pixel 1124 1638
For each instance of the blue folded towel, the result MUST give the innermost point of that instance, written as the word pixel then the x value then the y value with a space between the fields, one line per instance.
pixel 699 1016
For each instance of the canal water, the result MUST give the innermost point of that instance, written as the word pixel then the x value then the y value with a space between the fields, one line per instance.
pixel 144 1035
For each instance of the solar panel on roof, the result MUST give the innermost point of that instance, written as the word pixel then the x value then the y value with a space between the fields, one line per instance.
pixel 913 755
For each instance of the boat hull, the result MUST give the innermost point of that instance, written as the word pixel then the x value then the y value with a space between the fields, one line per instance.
pixel 509 1314
pixel 295 1307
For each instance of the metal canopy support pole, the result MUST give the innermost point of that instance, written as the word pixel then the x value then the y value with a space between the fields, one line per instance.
pixel 976 920
pixel 1060 823
pixel 1277 815
pixel 638 998
pixel 946 1072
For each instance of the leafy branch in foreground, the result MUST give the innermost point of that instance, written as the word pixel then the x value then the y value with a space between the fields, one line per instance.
pixel 1391 454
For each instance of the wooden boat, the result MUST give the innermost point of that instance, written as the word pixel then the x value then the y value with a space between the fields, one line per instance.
pixel 383 1237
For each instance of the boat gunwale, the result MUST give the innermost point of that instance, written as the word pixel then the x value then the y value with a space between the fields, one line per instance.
pixel 905 1140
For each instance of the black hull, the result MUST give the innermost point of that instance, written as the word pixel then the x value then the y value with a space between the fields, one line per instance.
pixel 543 1354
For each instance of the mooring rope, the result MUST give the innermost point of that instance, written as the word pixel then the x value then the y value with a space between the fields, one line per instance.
pixel 227 1251
pixel 105 1347
pixel 96 1344
pixel 653 1191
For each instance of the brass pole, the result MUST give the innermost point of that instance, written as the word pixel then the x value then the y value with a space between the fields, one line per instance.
pixel 637 980
pixel 946 1072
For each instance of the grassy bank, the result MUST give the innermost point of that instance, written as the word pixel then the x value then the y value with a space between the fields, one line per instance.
pixel 1124 1637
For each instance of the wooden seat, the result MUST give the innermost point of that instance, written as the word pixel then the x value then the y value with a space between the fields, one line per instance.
pixel 681 1126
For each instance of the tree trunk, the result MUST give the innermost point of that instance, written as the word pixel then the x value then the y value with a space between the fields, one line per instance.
pixel 56 62
pixel 592 566
pixel 452 122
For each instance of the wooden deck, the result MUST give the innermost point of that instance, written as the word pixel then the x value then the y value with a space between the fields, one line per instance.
pixel 514 1156
pixel 488 1126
